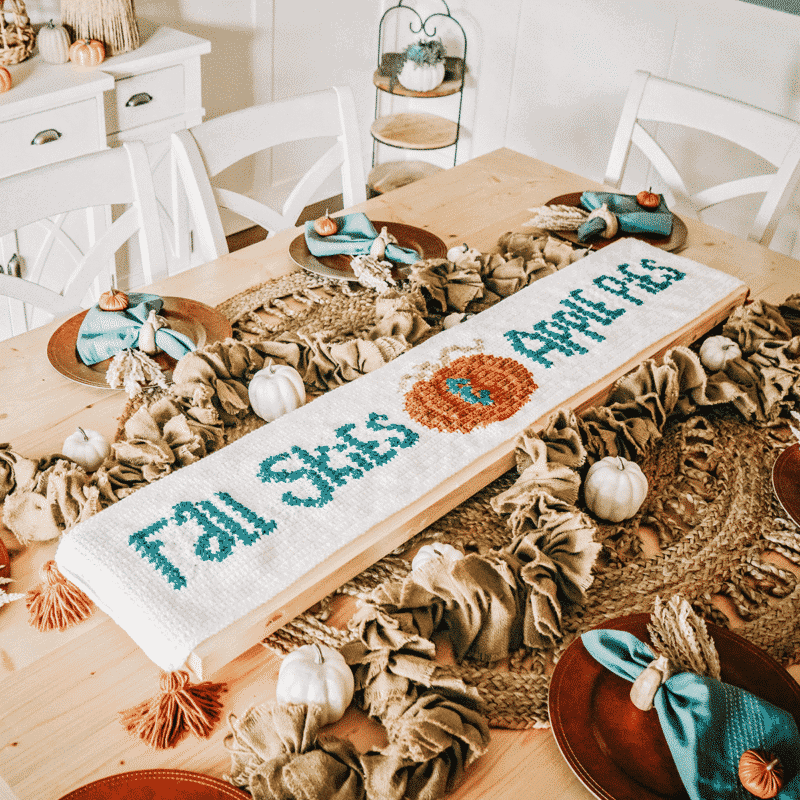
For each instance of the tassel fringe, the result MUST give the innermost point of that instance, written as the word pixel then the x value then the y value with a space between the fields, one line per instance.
pixel 56 604
pixel 179 708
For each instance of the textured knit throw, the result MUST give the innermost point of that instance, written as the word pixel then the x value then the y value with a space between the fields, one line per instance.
pixel 185 557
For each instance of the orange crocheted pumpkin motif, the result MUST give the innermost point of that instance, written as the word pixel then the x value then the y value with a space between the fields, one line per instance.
pixel 471 392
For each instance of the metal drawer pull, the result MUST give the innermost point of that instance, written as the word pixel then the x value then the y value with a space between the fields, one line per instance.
pixel 139 99
pixel 43 137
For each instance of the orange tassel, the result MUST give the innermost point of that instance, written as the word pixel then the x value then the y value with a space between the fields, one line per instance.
pixel 56 604
pixel 179 708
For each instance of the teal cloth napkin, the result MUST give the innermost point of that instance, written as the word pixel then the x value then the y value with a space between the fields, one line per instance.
pixel 631 216
pixel 354 238
pixel 104 333
pixel 708 724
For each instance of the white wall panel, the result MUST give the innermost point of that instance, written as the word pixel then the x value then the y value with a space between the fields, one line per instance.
pixel 573 64
pixel 751 54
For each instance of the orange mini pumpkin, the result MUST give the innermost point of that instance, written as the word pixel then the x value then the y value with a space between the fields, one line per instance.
pixel 113 300
pixel 761 773
pixel 87 52
pixel 325 226
pixel 5 79
pixel 648 199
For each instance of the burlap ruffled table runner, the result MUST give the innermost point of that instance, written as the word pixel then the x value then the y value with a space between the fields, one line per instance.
pixel 538 571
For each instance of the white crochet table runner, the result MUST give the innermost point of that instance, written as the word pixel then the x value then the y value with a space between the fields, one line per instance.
pixel 186 556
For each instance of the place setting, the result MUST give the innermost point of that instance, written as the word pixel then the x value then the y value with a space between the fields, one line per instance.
pixel 146 333
pixel 354 248
pixel 786 475
pixel 596 219
pixel 665 706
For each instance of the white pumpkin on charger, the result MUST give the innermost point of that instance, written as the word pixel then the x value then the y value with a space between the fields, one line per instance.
pixel 87 448
pixel 614 488
pixel 276 390
pixel 438 551
pixel 319 675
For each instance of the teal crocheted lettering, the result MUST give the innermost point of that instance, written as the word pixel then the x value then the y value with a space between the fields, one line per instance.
pixel 577 321
pixel 150 549
pixel 217 541
pixel 618 287
pixel 362 449
pixel 559 340
pixel 409 437
pixel 670 275
pixel 320 463
pixel 269 475
pixel 262 526
pixel 325 476
pixel 462 387
pixel 201 513
pixel 598 311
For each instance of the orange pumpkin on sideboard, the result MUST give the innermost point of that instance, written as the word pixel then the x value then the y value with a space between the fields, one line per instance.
pixel 87 52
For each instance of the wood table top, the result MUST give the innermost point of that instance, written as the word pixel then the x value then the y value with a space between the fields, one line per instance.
pixel 60 692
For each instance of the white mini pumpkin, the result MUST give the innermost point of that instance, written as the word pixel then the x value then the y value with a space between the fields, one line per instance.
pixel 462 252
pixel 53 41
pixel 316 674
pixel 438 551
pixel 276 390
pixel 87 448
pixel 614 488
pixel 717 351
pixel 421 77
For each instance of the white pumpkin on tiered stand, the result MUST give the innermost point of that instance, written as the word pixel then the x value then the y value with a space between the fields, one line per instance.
pixel 423 68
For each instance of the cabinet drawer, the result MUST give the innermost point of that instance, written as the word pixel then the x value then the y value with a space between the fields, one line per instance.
pixel 77 124
pixel 142 99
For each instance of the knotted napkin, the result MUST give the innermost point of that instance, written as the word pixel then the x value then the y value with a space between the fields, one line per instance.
pixel 631 216
pixel 354 238
pixel 103 334
pixel 707 723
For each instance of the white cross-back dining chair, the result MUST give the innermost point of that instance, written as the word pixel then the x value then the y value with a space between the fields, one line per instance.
pixel 202 152
pixel 58 278
pixel 774 138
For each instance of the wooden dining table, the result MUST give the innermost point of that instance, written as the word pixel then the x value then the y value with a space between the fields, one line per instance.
pixel 60 692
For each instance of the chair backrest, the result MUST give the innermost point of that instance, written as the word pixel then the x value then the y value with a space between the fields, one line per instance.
pixel 202 152
pixel 58 278
pixel 774 138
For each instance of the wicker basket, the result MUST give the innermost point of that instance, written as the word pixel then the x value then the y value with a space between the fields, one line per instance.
pixel 17 37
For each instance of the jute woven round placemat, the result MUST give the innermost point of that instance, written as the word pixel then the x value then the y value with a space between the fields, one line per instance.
pixel 711 513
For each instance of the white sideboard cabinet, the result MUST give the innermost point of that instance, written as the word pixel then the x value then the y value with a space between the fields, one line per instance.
pixel 57 111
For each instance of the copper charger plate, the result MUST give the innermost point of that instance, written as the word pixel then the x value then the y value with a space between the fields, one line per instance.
pixel 337 267
pixel 675 241
pixel 165 784
pixel 786 481
pixel 619 752
pixel 5 562
pixel 201 323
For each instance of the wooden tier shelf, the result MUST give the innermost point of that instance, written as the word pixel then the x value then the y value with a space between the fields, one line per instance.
pixel 442 90
pixel 415 131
